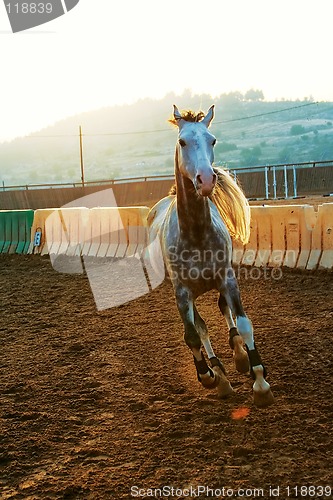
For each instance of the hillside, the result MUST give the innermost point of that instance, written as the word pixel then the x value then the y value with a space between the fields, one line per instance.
pixel 136 140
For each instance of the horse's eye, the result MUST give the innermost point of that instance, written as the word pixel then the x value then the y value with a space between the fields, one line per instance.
pixel 182 143
pixel 214 142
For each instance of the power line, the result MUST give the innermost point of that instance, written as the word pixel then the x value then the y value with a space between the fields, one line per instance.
pixel 276 126
pixel 268 113
pixel 138 132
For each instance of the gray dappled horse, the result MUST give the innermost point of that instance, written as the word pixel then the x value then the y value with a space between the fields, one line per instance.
pixel 195 224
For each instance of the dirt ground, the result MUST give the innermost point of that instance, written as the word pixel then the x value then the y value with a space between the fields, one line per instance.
pixel 95 405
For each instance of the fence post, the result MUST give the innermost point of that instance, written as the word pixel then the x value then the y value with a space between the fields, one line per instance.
pixel 274 183
pixel 81 157
pixel 266 183
pixel 286 181
pixel 295 181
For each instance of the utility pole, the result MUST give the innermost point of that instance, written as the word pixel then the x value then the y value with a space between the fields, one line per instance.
pixel 81 157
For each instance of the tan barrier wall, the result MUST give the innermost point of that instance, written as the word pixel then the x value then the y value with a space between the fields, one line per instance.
pixel 321 254
pixel 115 232
pixel 294 236
pixel 98 232
pixel 61 230
pixel 326 216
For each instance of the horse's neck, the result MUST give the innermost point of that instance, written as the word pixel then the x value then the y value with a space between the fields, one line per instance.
pixel 193 211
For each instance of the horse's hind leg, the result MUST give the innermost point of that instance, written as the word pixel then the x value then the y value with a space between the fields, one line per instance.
pixel 223 388
pixel 235 340
pixel 261 390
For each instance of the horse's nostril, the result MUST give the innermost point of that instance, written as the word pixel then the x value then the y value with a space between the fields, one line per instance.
pixel 207 180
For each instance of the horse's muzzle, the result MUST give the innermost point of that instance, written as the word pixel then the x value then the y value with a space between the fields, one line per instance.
pixel 205 183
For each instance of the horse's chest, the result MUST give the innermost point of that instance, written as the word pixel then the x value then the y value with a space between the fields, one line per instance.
pixel 197 266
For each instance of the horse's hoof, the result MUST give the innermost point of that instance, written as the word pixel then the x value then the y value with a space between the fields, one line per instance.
pixel 242 362
pixel 208 381
pixel 263 399
pixel 224 388
pixel 240 355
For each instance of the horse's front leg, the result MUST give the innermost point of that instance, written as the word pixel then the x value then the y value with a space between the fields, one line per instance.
pixel 209 377
pixel 262 394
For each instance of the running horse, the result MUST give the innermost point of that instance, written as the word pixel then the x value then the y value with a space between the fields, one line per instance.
pixel 195 224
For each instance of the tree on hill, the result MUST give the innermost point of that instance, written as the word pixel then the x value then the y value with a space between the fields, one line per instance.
pixel 254 95
pixel 223 147
pixel 297 130
pixel 250 156
pixel 285 155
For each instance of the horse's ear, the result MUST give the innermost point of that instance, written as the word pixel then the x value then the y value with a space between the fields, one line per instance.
pixel 176 113
pixel 209 116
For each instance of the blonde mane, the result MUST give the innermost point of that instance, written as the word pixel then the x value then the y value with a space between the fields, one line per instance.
pixel 189 116
pixel 232 205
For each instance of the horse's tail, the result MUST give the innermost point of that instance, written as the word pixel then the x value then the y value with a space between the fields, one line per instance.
pixel 232 205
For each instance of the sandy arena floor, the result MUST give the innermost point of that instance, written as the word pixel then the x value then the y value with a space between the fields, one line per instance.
pixel 96 403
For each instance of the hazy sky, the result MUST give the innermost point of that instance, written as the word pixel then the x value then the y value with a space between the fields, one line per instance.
pixel 106 52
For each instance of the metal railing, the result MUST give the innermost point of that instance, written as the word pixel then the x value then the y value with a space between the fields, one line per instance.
pixel 87 183
pixel 282 178
pixel 272 178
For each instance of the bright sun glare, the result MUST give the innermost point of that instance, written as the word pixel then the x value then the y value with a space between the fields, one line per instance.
pixel 116 52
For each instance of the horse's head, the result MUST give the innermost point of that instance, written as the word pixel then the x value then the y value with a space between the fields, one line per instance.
pixel 195 149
